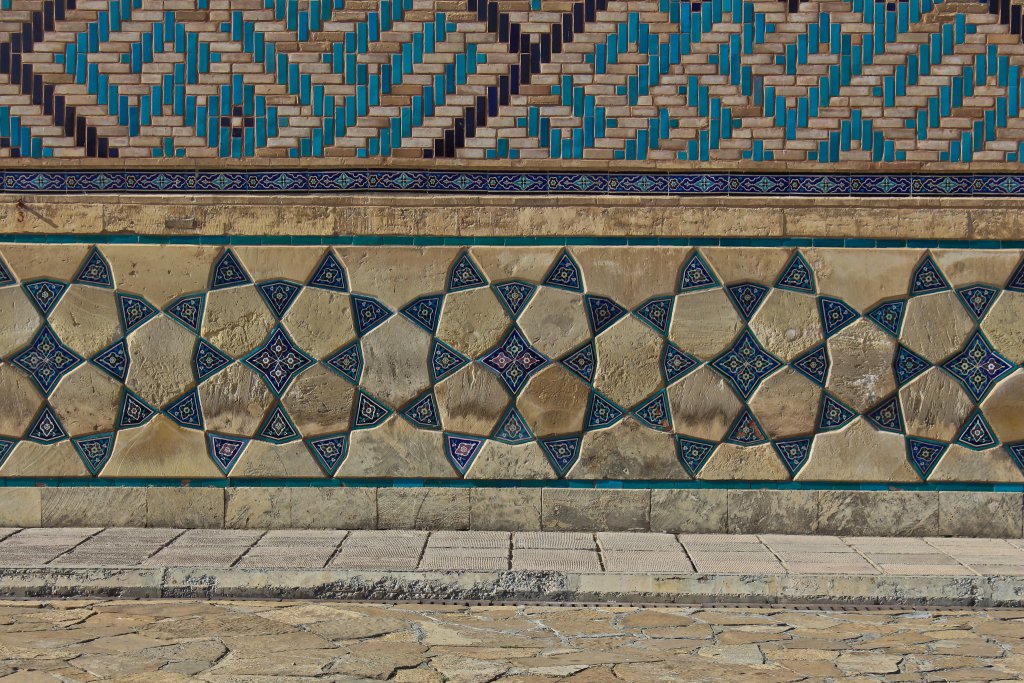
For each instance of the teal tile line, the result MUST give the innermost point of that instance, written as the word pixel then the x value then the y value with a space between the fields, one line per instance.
pixel 524 241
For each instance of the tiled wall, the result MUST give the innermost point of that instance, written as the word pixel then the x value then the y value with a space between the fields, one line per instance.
pixel 513 363
pixel 728 81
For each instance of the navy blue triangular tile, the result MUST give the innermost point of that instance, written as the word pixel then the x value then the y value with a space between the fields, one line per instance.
pixel 279 295
pixel 976 433
pixel 512 428
pixel 133 311
pixel 1016 451
pixel 814 365
pixel 330 274
pixel 748 297
pixel 693 453
pixel 924 454
pixel 515 295
pixel 601 412
pixel 834 413
pixel 907 365
pixel 278 427
pixel 330 451
pixel 6 446
pixel 565 274
pixel 745 430
pixel 462 450
pixel 225 450
pixel 95 450
pixel 797 275
pixel 835 315
pixel 187 410
pixel 657 313
pixel 208 360
pixel 348 362
pixel 675 363
pixel 581 362
pixel 188 310
pixel 114 360
pixel 793 453
pixel 889 316
pixel 464 274
pixel 423 412
pixel 45 293
pixel 369 412
pixel 46 428
pixel 654 412
pixel 978 299
pixel 444 360
pixel 95 271
pixel 228 272
pixel 887 415
pixel 927 278
pixel 562 452
pixel 696 275
pixel 6 278
pixel 425 312
pixel 602 312
pixel 134 411
pixel 368 313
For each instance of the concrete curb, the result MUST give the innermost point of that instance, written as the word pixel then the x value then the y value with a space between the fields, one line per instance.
pixel 511 586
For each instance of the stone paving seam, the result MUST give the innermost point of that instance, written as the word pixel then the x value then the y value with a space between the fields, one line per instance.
pixel 249 549
pixel 68 550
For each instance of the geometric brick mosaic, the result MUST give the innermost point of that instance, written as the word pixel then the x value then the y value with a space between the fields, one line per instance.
pixel 512 363
pixel 652 80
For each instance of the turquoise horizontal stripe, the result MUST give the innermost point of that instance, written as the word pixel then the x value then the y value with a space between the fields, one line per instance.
pixel 514 483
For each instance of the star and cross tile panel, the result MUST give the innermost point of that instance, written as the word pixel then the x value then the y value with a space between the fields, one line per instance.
pixel 512 363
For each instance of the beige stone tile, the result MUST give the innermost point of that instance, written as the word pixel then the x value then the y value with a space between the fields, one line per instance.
pixel 704 323
pixel 1004 325
pixel 554 402
pixel 751 463
pixel 235 400
pixel 185 507
pixel 263 460
pixel 505 509
pixel 963 464
pixel 858 452
pixel 20 506
pixel 924 337
pixel 31 459
pixel 160 448
pixel 497 460
pixel 87 400
pixel 703 405
pixel 845 273
pixel 237 320
pixel 423 508
pixel 160 274
pixel 396 446
pixel 981 513
pixel 21 320
pixel 161 360
pixel 267 262
pixel 22 401
pixel 471 400
pixel 82 506
pixel 1004 408
pixel 555 560
pixel 383 272
pixel 473 321
pixel 787 323
pixel 861 373
pixel 395 361
pixel 747 264
pixel 689 510
pixel 258 507
pixel 893 513
pixel 515 263
pixel 60 262
pixel 759 511
pixel 319 401
pixel 787 404
pixel 976 266
pixel 628 362
pixel 86 319
pixel 627 450
pixel 555 321
pixel 935 406
pixel 320 321
pixel 317 507
pixel 596 509
pixel 631 276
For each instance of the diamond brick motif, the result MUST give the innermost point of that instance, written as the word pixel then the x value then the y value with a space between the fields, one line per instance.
pixel 889 316
pixel 696 275
pixel 924 454
pixel 279 295
pixel 602 312
pixel 330 274
pixel 134 311
pixel 425 312
pixel 562 452
pixel 277 427
pixel 330 451
pixel 95 271
pixel 114 360
pixel 514 295
pixel 207 360
pixel 976 433
pixel 657 313
pixel 423 413
pixel 46 428
pixel 747 297
pixel 581 362
pixel 94 450
pixel 512 428
pixel 278 361
pixel 654 412
pixel 693 453
pixel 927 278
pixel 514 360
pixel 188 310
pixel 793 453
pixel 348 362
pixel 746 364
pixel 602 412
pixel 887 415
pixel 797 276
pixel 462 450
pixel 225 450
pixel 978 366
pixel 47 360
pixel 186 410
pixel 228 272
pixel 565 274
pixel 45 293
pixel 978 299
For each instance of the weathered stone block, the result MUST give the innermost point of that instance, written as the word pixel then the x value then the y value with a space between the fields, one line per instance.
pixel 93 506
pixel 320 507
pixel 689 511
pixel 878 513
pixel 423 508
pixel 772 511
pixel 505 509
pixel 20 506
pixel 985 514
pixel 258 507
pixel 596 510
pixel 185 507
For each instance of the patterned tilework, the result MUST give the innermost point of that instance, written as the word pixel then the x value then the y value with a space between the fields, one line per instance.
pixel 659 80
pixel 333 362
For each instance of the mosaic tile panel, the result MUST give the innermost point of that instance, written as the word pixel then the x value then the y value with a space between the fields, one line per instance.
pixel 336 369
pixel 601 80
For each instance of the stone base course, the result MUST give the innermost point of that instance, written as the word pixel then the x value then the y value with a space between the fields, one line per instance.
pixel 995 514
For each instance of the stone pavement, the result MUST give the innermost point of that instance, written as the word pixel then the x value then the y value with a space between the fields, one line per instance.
pixel 165 641
pixel 561 566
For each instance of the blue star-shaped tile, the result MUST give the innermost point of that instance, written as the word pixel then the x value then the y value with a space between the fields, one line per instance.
pixel 514 295
pixel 746 431
pixel 95 450
pixel 330 451
pixel 225 450
pixel 208 360
pixel 369 412
pixel 797 275
pixel 279 295
pixel 675 363
pixel 927 278
pixel 562 452
pixel 696 275
pixel 654 412
pixel 978 299
pixel 444 360
pixel 693 453
pixel 581 362
pixel 134 411
pixel 95 271
pixel 514 360
pixel 976 433
pixel 565 274
pixel 978 366
pixel 278 361
pixel 278 427
pixel 45 293
pixel 887 415
pixel 425 312
pixel 186 410
pixel 464 274
pixel 114 360
pixel 907 365
pixel 747 297
pixel 330 274
pixel 889 316
pixel 602 312
pixel 657 313
pixel 228 272
pixel 368 313
pixel 462 450
pixel 348 362
pixel 834 413
pixel 512 428
pixel 814 365
pixel 423 412
pixel 602 412
pixel 134 311
pixel 835 315
pixel 746 364
pixel 47 360
pixel 46 428
pixel 793 453
pixel 924 454
pixel 188 310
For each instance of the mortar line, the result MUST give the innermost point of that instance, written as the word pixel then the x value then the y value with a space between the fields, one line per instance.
pixel 76 545
pixel 249 548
